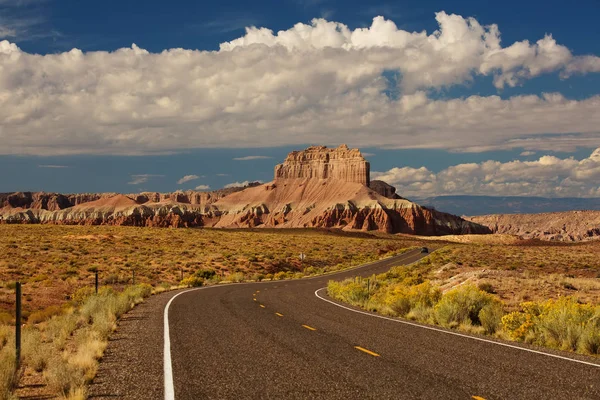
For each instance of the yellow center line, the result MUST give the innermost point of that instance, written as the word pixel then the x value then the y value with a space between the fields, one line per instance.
pixel 310 328
pixel 366 351
pixel 261 306
pixel 278 314
pixel 254 299
pixel 477 398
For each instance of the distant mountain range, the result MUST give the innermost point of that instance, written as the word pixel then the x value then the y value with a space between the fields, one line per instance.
pixel 483 205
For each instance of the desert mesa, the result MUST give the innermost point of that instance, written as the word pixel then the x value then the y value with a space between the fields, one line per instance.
pixel 318 187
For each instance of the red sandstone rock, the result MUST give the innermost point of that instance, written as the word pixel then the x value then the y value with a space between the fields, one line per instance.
pixel 567 226
pixel 317 187
pixel 319 162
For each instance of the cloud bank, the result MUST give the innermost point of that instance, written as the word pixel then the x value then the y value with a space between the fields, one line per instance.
pixel 548 176
pixel 313 83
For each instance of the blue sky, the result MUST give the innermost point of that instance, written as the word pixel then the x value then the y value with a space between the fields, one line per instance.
pixel 425 107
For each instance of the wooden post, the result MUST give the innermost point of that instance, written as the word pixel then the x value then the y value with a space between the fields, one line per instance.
pixel 96 282
pixel 18 324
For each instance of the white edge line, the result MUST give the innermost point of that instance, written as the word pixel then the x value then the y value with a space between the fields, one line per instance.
pixel 455 333
pixel 168 367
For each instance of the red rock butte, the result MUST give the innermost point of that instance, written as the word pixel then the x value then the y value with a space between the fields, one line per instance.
pixel 315 188
pixel 320 162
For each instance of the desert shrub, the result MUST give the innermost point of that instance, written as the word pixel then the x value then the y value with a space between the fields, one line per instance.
pixel 192 281
pixel 590 339
pixel 402 299
pixel 60 328
pixel 205 273
pixel 562 323
pixel 82 294
pixel 35 352
pixel 236 277
pixel 348 291
pixel 42 315
pixel 279 275
pixel 490 316
pixel 63 377
pixel 486 287
pixel 8 367
pixel 462 306
pixel 5 318
pixel 258 277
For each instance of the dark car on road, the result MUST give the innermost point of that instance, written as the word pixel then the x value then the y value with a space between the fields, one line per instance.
pixel 424 250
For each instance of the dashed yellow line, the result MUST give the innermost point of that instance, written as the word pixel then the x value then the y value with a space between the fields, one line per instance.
pixel 477 398
pixel 310 328
pixel 254 299
pixel 278 314
pixel 366 351
pixel 262 306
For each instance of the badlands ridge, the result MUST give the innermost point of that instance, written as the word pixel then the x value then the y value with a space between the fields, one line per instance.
pixel 318 187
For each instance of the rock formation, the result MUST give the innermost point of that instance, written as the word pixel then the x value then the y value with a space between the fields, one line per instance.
pixel 317 187
pixel 384 189
pixel 567 226
pixel 319 162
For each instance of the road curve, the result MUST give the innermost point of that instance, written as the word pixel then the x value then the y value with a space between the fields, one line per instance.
pixel 277 340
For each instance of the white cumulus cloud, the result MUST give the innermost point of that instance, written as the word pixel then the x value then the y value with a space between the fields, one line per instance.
pixel 142 178
pixel 202 187
pixel 248 158
pixel 548 176
pixel 239 184
pixel 187 178
pixel 312 83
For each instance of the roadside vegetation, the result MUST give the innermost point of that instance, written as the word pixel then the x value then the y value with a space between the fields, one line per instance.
pixel 53 262
pixel 67 325
pixel 472 288
pixel 60 354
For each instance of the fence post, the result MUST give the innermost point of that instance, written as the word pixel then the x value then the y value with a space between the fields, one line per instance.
pixel 181 273
pixel 368 286
pixel 96 282
pixel 133 277
pixel 18 325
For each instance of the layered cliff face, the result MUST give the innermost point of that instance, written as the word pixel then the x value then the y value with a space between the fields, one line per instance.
pixel 317 187
pixel 567 226
pixel 319 162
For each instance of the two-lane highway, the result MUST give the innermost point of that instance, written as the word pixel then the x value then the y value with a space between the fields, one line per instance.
pixel 278 340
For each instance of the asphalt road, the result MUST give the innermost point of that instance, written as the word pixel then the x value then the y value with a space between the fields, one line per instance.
pixel 278 340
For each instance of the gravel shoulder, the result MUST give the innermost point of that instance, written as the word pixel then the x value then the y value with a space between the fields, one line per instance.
pixel 132 365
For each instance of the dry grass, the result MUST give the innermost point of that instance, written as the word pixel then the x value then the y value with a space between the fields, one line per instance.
pixel 521 271
pixel 54 262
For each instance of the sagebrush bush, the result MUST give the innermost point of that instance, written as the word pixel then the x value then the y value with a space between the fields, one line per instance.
pixel 490 316
pixel 462 306
pixel 562 323
pixel 349 291
pixel 192 281
pixel 402 299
